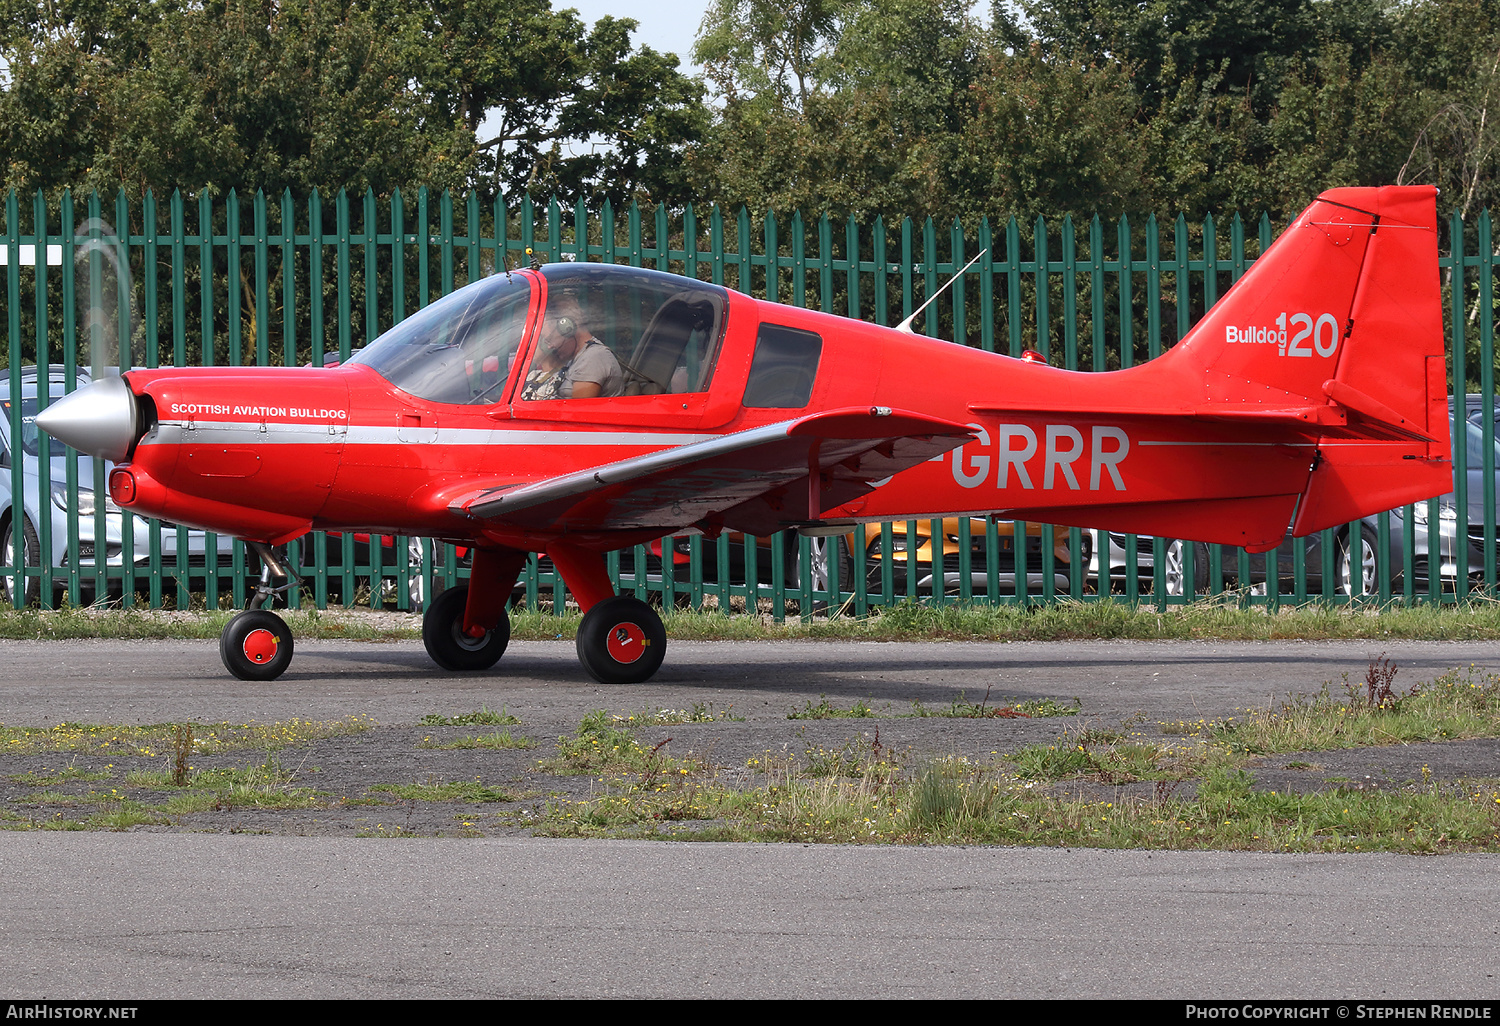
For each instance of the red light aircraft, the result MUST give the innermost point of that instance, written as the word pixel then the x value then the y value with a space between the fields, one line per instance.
pixel 580 408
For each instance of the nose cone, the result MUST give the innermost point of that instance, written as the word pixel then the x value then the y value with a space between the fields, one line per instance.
pixel 98 419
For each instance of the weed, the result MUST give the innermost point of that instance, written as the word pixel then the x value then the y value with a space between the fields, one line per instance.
pixel 106 739
pixel 35 779
pixel 1457 704
pixel 1105 618
pixel 825 710
pixel 1378 677
pixel 605 744
pixel 182 745
pixel 701 712
pixel 962 708
pixel 267 786
pixel 481 717
pixel 1107 756
pixel 122 817
pixel 858 758
pixel 948 792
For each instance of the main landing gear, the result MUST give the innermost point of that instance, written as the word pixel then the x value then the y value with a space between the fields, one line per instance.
pixel 620 641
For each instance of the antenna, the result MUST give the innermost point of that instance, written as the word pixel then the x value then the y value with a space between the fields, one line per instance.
pixel 906 324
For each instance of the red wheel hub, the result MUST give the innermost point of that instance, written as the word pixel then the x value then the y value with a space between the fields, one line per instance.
pixel 260 646
pixel 626 642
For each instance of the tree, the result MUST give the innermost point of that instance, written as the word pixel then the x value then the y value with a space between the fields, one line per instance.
pixel 333 94
pixel 773 50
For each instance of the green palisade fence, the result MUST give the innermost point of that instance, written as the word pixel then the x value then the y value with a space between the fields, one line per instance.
pixel 238 281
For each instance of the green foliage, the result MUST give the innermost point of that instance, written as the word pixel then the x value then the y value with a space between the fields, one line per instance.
pixel 483 716
pixel 332 94
pixel 825 710
pixel 1458 704
pixel 912 107
pixel 606 744
pixel 457 790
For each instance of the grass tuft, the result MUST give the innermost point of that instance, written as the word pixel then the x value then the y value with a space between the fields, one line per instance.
pixel 484 716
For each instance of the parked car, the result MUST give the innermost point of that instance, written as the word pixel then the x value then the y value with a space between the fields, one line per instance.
pixel 21 522
pixel 969 556
pixel 830 556
pixel 824 554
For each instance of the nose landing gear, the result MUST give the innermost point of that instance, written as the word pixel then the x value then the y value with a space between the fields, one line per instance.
pixel 257 644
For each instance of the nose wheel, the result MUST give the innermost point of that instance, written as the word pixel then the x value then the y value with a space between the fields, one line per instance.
pixel 621 641
pixel 256 645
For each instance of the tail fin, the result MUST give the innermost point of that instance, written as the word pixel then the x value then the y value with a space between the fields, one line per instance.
pixel 1337 332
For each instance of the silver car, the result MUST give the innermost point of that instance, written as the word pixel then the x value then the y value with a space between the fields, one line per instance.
pixel 42 520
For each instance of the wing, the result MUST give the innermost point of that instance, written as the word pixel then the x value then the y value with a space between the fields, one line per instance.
pixel 757 481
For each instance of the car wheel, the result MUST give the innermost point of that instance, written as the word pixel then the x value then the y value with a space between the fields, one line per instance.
pixel 1366 571
pixel 1175 569
pixel 448 645
pixel 621 641
pixel 30 556
pixel 416 584
pixel 256 645
pixel 826 554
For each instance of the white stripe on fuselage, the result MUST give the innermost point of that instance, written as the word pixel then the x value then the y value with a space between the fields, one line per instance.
pixel 238 432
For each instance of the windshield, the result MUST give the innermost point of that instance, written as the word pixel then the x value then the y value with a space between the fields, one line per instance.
pixel 459 349
pixel 1475 447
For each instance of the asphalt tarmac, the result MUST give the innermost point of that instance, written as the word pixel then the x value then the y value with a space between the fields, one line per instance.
pixel 172 914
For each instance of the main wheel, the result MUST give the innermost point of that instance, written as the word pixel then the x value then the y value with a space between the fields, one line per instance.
pixel 30 556
pixel 256 645
pixel 1366 570
pixel 621 641
pixel 448 645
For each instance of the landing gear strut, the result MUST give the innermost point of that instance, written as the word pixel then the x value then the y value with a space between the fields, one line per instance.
pixel 257 644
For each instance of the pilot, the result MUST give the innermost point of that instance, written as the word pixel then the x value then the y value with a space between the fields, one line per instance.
pixel 570 362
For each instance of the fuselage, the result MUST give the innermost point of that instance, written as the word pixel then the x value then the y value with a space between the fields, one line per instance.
pixel 268 453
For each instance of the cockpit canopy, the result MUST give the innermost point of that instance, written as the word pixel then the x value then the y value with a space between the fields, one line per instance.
pixel 661 334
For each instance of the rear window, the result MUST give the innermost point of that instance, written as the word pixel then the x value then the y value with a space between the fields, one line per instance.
pixel 784 368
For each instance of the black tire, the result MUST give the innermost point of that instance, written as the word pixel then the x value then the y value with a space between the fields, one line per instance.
pixel 256 645
pixel 621 641
pixel 30 556
pixel 448 645
pixel 1175 571
pixel 1367 562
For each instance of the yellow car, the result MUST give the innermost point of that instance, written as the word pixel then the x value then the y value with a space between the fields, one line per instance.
pixel 971 555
